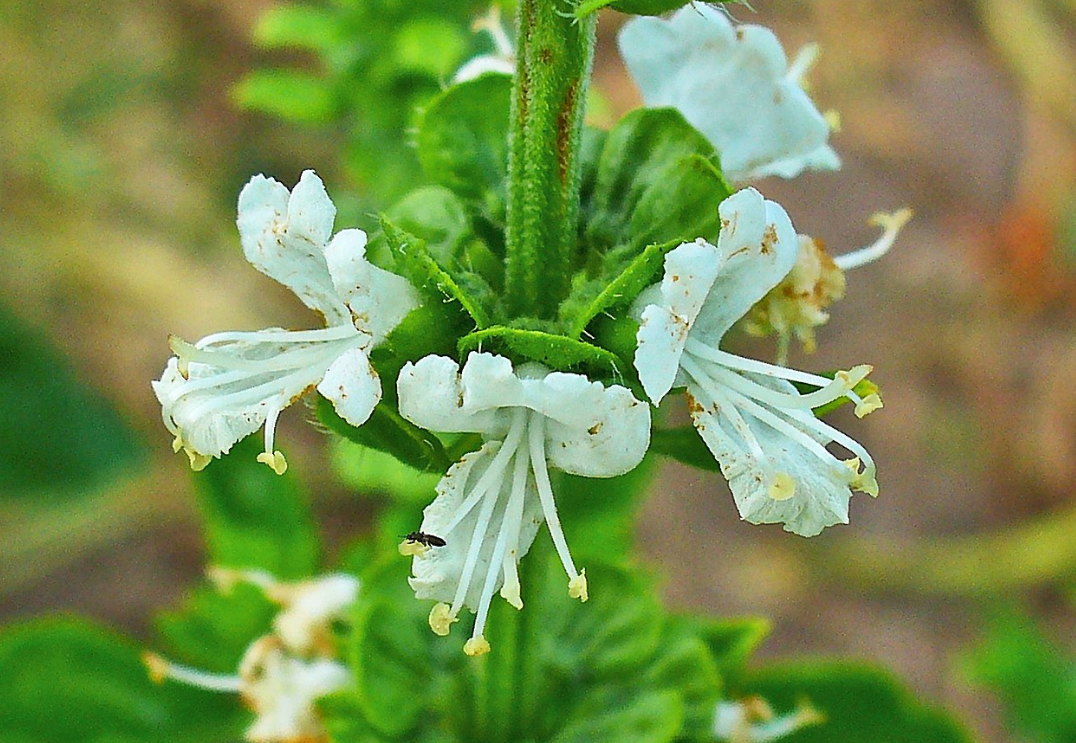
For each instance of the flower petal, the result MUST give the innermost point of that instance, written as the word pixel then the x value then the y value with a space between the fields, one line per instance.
pixel 378 299
pixel 759 247
pixel 234 381
pixel 690 271
pixel 733 85
pixel 777 479
pixel 284 236
pixel 432 396
pixel 437 574
pixel 352 386
pixel 611 441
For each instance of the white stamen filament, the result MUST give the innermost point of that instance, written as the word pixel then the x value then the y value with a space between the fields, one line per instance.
pixel 732 361
pixel 725 406
pixel 835 390
pixel 331 333
pixel 494 472
pixel 161 669
pixel 891 225
pixel 545 494
pixel 491 24
pixel 519 486
pixel 803 62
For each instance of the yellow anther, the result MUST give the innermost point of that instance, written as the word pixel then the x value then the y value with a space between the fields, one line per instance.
pixel 891 221
pixel 476 646
pixel 441 619
pixel 411 548
pixel 577 586
pixel 869 404
pixel 157 667
pixel 860 481
pixel 510 593
pixel 276 461
pixel 833 119
pixel 783 487
pixel 198 461
pixel 855 375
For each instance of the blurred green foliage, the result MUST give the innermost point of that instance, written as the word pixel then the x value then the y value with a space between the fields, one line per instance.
pixel 58 438
pixel 1033 676
pixel 375 64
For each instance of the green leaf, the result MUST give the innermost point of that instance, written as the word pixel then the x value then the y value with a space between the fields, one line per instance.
pixel 388 431
pixel 299 26
pixel 599 512
pixel 212 630
pixel 298 97
pixel 555 351
pixel 1034 678
pixel 368 470
pixel 639 273
pixel 420 266
pixel 861 704
pixel 657 181
pixel 68 680
pixel 430 46
pixel 254 518
pixel 636 7
pixel 684 445
pixel 463 139
pixel 731 641
pixel 58 438
pixel 612 669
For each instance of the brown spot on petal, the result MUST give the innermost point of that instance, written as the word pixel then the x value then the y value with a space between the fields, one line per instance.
pixel 769 239
pixel 593 430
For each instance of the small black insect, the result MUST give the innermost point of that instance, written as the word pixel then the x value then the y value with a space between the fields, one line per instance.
pixel 427 540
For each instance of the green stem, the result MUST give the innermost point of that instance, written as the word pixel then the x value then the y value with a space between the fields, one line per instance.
pixel 548 102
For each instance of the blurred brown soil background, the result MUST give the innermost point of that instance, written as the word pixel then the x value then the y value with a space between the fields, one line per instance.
pixel 122 155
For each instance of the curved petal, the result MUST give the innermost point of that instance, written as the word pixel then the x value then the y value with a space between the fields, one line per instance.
pixel 774 477
pixel 759 247
pixel 439 572
pixel 378 299
pixel 733 85
pixel 284 236
pixel 352 386
pixel 224 387
pixel 432 396
pixel 612 444
pixel 690 270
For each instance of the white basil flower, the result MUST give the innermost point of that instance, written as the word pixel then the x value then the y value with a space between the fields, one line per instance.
pixel 280 689
pixel 490 504
pixel 502 61
pixel 752 720
pixel 771 447
pixel 735 86
pixel 227 385
pixel 308 607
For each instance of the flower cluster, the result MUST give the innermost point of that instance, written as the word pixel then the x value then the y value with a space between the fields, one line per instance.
pixel 282 673
pixel 736 87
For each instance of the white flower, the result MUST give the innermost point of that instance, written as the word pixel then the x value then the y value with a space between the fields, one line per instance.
pixel 490 504
pixel 771 447
pixel 227 385
pixel 502 61
pixel 797 305
pixel 752 720
pixel 308 607
pixel 280 689
pixel 734 85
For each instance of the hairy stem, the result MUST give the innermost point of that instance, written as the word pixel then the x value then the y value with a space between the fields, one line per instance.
pixel 548 102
